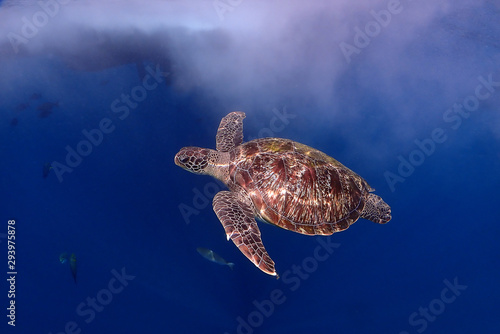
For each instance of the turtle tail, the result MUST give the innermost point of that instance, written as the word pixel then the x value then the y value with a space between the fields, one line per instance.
pixel 376 210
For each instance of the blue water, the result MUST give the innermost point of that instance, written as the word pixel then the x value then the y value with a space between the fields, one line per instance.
pixel 134 219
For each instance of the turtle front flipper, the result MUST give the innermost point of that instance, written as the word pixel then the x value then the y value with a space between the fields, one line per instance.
pixel 238 221
pixel 230 132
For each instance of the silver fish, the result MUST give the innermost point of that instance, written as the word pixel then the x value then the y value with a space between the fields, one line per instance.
pixel 214 257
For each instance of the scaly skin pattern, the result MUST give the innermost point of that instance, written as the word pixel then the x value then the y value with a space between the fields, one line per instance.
pixel 297 187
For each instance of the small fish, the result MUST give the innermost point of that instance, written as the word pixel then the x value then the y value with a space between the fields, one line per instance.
pixel 210 255
pixel 72 265
pixel 14 122
pixel 22 106
pixel 46 169
pixel 63 258
pixel 36 96
pixel 46 108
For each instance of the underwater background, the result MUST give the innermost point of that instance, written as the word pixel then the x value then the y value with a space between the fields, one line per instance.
pixel 96 98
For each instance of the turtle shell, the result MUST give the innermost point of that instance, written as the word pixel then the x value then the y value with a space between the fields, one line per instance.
pixel 297 187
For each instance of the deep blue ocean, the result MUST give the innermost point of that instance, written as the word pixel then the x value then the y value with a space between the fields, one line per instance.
pixel 97 97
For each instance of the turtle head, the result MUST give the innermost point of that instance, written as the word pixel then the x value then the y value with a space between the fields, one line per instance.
pixel 194 159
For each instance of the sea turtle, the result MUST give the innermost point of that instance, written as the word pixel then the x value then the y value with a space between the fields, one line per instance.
pixel 280 182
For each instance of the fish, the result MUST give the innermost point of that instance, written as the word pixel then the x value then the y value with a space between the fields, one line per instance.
pixel 46 169
pixel 210 255
pixel 63 258
pixel 46 108
pixel 72 265
pixel 36 96
pixel 14 121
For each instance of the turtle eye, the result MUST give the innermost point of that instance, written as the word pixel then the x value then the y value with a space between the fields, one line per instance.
pixel 183 160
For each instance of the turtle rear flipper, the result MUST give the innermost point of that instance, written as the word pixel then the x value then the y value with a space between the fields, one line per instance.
pixel 240 226
pixel 376 210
